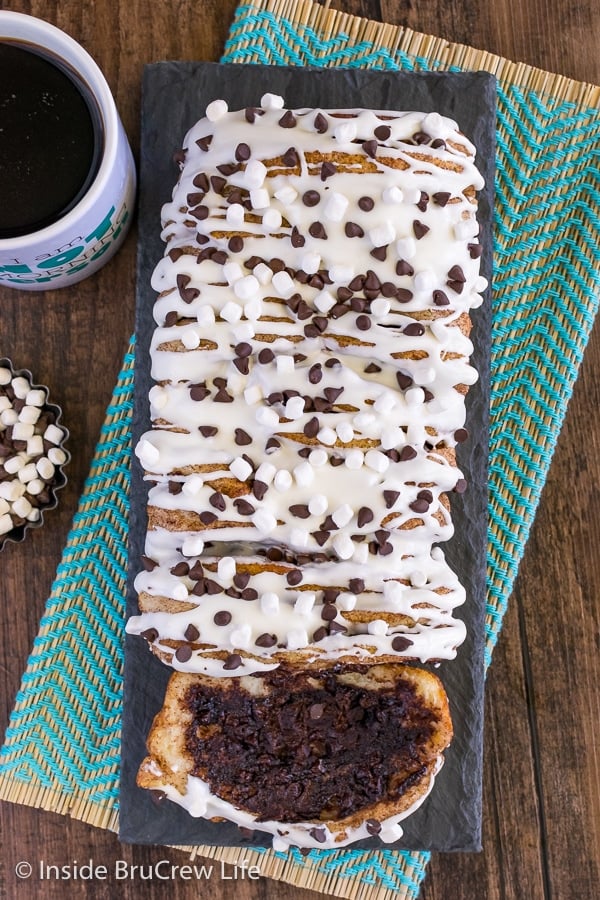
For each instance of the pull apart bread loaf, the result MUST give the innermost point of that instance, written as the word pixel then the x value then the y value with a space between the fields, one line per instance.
pixel 311 358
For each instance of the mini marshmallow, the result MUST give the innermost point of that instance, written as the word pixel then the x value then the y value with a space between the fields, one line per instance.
pixel 269 603
pixel 335 207
pixel 361 553
pixel 6 524
pixel 35 447
pixel 264 521
pixel 8 417
pixel 318 457
pixel 433 124
pixel 345 432
pixel 253 394
pixel 310 263
pixel 21 387
pixel 243 331
pixel 259 198
pixel 425 376
pixel 232 312
pixel 393 592
pixel 190 338
pixel 216 110
pixel 481 284
pixel 286 195
pixel 245 289
pixel 392 437
pixel 232 272
pixel 35 397
pixel 240 636
pixel 12 490
pixel 56 456
pixel 406 247
pixel 346 132
pixel 282 481
pixel 192 546
pixel 263 273
pixel 180 592
pixel 4 506
pixel 254 174
pixel 22 431
pixel 341 273
pixel 271 101
pixel 392 194
pixel 158 396
pixel 240 469
pixel 385 402
pixel 377 626
pixel 28 472
pixel 342 515
pixel 425 280
pixel 364 421
pixel 327 436
pixel 35 515
pixel 5 376
pixel 283 284
pixel 377 461
pixel 285 364
pixel 13 463
pixel 235 215
pixel 253 310
pixel 414 396
pixel 380 307
pixel 205 316
pixel 346 601
pixel 265 472
pixel 34 487
pixel 304 602
pixel 304 474
pixel 53 434
pixel 147 453
pixel 267 416
pixel 317 505
pixel 29 414
pixel 299 537
pixel 412 195
pixel 382 235
pixel 5 404
pixel 343 546
pixel 192 485
pixel 272 219
pixel 438 554
pixel 390 832
pixel 324 301
pixel 294 408
pixel 45 468
pixel 297 638
pixel 418 578
pixel 354 459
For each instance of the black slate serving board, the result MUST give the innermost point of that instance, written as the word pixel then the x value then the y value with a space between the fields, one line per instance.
pixel 175 95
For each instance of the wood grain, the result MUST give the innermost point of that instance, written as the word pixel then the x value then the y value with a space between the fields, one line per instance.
pixel 542 779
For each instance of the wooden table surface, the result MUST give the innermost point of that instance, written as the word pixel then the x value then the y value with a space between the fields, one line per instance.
pixel 542 749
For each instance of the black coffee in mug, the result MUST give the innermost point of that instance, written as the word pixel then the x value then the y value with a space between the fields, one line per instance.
pixel 51 139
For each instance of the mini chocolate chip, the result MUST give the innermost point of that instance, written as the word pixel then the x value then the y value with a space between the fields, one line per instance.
pixel 461 486
pixel 327 170
pixel 373 826
pixel 320 633
pixel 380 253
pixel 288 119
pixel 475 250
pixel 404 381
pixel 242 438
pixel 175 254
pixel 300 511
pixel 414 329
pixel 266 356
pixel 217 500
pixel 233 661
pixel 401 643
pixel 200 212
pixel 404 268
pixel 175 487
pixel 461 435
pixel 242 365
pixel 223 397
pixel 390 498
pixel 194 198
pixel 266 640
pixel 356 585
pixel 249 594
pixel 456 286
pixel 217 183
pixel 223 617
pixel 272 444
pixel 183 653
pixel 363 323
pixel 407 453
pixel 259 489
pixel 150 634
pixel 180 569
pixel 149 564
pixel 456 274
pixel 320 537
pixel 419 229
pixel 440 298
pixel 207 517
pixel 296 238
pixel 311 198
pixel 171 318
pixel 421 137
pixel 372 368
pixel 290 157
pixel 294 577
pixel 235 244
pixel 204 142
pixel 336 461
pixel 364 516
pixel 366 203
pixel 317 230
pixel 382 132
pixel 243 507
pixel 320 123
pixel 241 579
pixel 440 198
pixel 352 230
pixel 311 429
pixel 370 148
pixel 198 391
pixel 329 612
pixel 191 633
pixel 208 430
pixel 423 201
pixel 419 506
pixel 315 373
pixel 197 571
pixel 425 495
pixel 438 144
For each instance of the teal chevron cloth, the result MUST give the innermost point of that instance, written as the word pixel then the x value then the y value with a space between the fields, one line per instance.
pixel 64 731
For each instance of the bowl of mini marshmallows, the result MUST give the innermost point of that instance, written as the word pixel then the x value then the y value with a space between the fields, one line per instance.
pixel 32 453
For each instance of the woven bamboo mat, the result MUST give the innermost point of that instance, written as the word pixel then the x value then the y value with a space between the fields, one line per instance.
pixel 61 749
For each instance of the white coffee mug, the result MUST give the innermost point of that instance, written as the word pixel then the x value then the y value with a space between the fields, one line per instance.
pixel 88 235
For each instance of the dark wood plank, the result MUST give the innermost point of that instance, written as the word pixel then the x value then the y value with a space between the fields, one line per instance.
pixel 541 787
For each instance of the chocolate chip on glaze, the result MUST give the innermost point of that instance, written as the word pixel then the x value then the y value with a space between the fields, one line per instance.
pixel 266 640
pixel 233 661
pixel 419 229
pixel 183 654
pixel 311 198
pixel 370 148
pixel 404 268
pixel 191 633
pixel 223 617
pixel 288 120
pixel 320 123
pixel 352 230
pixel 441 198
pixel 401 643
